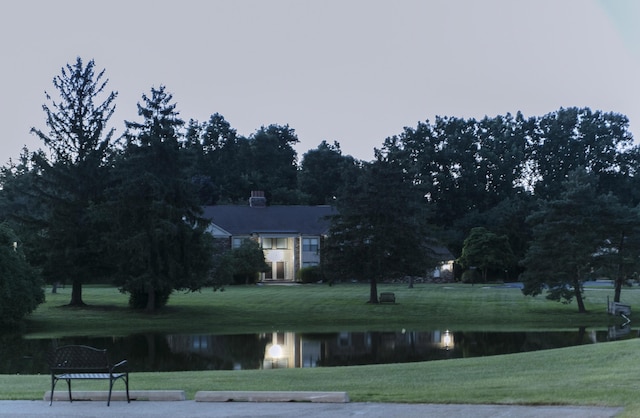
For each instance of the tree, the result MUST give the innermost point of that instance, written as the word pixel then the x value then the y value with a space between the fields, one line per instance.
pixel 569 234
pixel 160 237
pixel 20 285
pixel 247 262
pixel 72 174
pixel 321 173
pixel 574 138
pixel 618 257
pixel 221 156
pixel 273 166
pixel 486 251
pixel 380 230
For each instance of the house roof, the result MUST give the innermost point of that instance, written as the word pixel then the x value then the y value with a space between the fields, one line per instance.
pixel 246 220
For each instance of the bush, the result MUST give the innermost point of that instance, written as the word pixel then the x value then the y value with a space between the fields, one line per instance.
pixel 20 284
pixel 309 274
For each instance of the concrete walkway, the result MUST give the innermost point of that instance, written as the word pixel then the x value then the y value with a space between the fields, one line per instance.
pixel 243 404
pixel 193 409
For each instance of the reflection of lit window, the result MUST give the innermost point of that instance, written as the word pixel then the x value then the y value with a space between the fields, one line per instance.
pixel 310 244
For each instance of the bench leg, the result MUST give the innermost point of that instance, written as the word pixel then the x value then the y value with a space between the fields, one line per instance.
pixel 53 385
pixel 69 386
pixel 126 384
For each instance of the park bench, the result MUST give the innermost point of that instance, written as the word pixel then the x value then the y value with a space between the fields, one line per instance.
pixel 389 297
pixel 72 362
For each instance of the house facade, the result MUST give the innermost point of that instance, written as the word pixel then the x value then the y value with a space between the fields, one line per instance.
pixel 290 235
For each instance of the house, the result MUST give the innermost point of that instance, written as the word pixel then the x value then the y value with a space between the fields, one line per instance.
pixel 290 236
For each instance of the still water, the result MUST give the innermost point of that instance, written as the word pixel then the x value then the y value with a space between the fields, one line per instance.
pixel 157 352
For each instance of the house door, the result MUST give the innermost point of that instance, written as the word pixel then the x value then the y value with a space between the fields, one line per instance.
pixel 279 273
pixel 276 271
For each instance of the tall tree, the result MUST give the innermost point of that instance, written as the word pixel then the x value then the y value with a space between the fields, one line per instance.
pixel 73 172
pixel 381 224
pixel 322 172
pixel 161 239
pixel 569 233
pixel 273 165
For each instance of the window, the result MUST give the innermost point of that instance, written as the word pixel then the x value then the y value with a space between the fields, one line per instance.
pixel 237 242
pixel 277 243
pixel 310 244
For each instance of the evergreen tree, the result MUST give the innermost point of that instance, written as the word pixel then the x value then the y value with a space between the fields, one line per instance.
pixel 569 235
pixel 161 243
pixel 381 230
pixel 71 175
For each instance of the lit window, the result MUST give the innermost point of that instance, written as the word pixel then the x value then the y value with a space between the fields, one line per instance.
pixel 281 243
pixel 310 244
pixel 267 243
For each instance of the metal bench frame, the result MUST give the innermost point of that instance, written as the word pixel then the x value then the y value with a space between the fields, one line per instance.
pixel 71 362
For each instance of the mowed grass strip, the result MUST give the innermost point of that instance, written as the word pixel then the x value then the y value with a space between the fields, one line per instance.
pixel 320 308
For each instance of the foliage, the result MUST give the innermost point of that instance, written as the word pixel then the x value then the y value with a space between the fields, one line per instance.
pixel 381 223
pixel 20 284
pixel 569 233
pixel 322 173
pixel 486 251
pixel 310 274
pixel 159 240
pixel 247 262
pixel 71 176
pixel 273 166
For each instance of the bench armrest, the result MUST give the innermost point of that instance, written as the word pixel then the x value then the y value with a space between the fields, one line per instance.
pixel 119 364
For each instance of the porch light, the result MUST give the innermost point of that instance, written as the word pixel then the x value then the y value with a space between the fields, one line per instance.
pixel 447 340
pixel 275 351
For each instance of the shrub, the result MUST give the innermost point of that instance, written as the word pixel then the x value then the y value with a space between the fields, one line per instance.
pixel 309 274
pixel 20 284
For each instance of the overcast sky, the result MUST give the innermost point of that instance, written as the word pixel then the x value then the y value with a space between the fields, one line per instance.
pixel 354 72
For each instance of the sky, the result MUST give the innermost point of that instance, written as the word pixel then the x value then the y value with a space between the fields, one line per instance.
pixel 351 71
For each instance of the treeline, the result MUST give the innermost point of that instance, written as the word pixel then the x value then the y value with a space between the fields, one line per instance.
pixel 90 206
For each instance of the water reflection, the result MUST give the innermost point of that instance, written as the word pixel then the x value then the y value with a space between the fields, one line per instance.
pixel 157 352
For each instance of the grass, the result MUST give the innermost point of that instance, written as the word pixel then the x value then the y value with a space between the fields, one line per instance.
pixel 320 308
pixel 598 374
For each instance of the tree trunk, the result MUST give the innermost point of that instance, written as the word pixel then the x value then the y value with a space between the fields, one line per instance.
pixel 619 276
pixel 151 299
pixel 373 293
pixel 578 292
pixel 618 289
pixel 76 294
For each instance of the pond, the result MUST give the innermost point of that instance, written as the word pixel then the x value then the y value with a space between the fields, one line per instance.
pixel 157 352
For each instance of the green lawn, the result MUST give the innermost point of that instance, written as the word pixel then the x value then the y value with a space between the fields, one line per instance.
pixel 598 374
pixel 321 308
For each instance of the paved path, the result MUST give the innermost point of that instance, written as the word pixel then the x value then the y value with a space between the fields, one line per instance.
pixel 192 409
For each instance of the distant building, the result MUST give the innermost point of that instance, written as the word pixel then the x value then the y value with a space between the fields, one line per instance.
pixel 290 235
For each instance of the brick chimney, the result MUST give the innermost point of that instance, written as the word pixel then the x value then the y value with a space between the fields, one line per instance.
pixel 257 199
